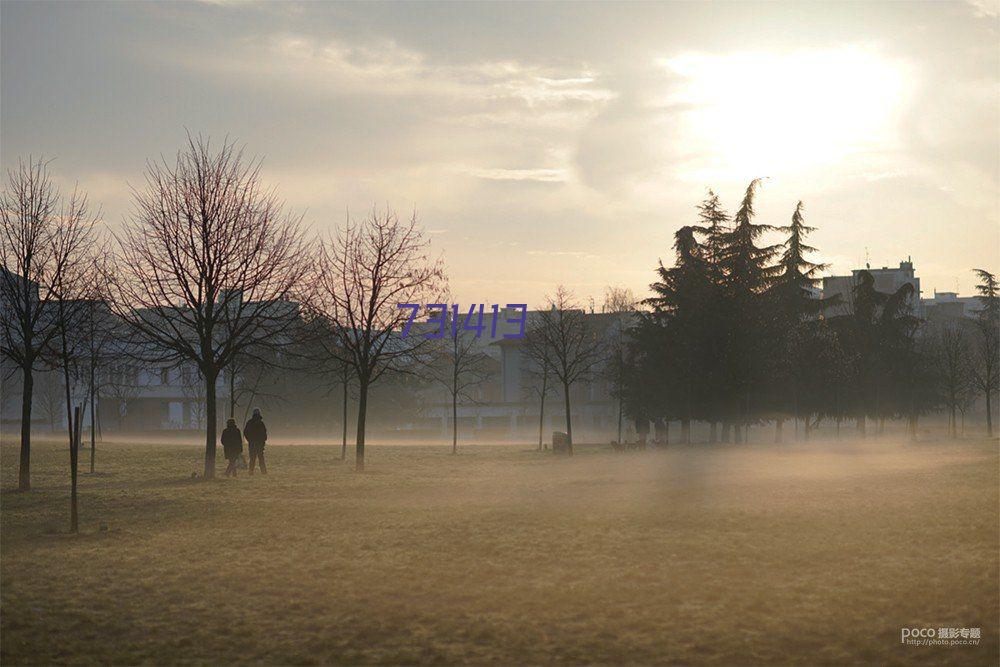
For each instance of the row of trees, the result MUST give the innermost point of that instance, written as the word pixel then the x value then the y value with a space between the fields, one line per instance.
pixel 208 271
pixel 736 335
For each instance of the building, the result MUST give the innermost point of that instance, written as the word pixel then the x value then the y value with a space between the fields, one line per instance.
pixel 946 305
pixel 887 280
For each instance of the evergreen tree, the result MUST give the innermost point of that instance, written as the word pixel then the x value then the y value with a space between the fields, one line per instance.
pixel 986 369
pixel 795 306
pixel 747 276
pixel 681 302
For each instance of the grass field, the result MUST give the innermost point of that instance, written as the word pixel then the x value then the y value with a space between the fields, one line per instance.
pixel 696 555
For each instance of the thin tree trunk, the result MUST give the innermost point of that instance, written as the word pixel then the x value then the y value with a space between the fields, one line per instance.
pixel 359 447
pixel 778 427
pixel 569 421
pixel 343 442
pixel 74 457
pixel 989 413
pixel 620 411
pixel 541 413
pixel 93 418
pixel 232 395
pixel 686 431
pixel 726 432
pixel 210 427
pixel 24 469
pixel 454 424
pixel 713 435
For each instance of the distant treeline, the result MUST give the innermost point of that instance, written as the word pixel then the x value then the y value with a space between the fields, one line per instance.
pixel 736 333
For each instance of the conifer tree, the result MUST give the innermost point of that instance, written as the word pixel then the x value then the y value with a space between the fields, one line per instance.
pixel 795 307
pixel 747 277
pixel 681 301
pixel 986 375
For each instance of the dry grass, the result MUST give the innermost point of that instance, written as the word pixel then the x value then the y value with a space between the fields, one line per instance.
pixel 717 555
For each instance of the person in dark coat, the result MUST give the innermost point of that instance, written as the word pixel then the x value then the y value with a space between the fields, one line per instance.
pixel 232 445
pixel 256 434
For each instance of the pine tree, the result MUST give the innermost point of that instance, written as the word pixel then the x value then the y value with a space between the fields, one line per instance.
pixel 795 306
pixel 714 221
pixel 681 301
pixel 986 375
pixel 747 276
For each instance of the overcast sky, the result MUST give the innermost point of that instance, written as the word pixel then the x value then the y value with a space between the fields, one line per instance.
pixel 542 143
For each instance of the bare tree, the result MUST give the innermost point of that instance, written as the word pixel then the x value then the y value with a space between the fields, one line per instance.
pixel 207 266
pixel 621 303
pixel 49 390
pixel 540 371
pixel 121 382
pixel 98 331
pixel 363 274
pixel 951 352
pixel 40 242
pixel 74 239
pixel 460 367
pixel 570 345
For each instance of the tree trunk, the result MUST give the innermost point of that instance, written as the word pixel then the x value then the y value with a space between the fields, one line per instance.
pixel 778 427
pixel 454 424
pixel 232 395
pixel 569 421
pixel 93 417
pixel 74 457
pixel 954 422
pixel 989 413
pixel 210 427
pixel 343 442
pixel 359 447
pixel 806 428
pixel 541 415
pixel 24 470
pixel 861 427
pixel 713 435
pixel 686 431
pixel 738 424
pixel 725 432
pixel 620 411
pixel 657 430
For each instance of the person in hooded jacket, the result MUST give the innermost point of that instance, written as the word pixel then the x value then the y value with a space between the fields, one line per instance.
pixel 256 435
pixel 232 446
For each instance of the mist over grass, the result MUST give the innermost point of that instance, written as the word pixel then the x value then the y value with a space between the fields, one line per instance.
pixel 796 554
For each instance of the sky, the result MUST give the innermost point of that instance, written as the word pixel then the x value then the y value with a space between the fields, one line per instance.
pixel 541 144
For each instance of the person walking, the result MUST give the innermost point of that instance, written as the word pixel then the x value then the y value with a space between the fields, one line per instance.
pixel 232 446
pixel 256 435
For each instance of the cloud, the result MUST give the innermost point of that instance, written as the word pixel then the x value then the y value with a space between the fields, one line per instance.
pixel 540 175
pixel 985 8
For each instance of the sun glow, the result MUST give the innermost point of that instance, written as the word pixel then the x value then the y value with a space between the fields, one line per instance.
pixel 771 114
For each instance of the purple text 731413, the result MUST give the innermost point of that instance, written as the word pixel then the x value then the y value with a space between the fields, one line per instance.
pixel 473 320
